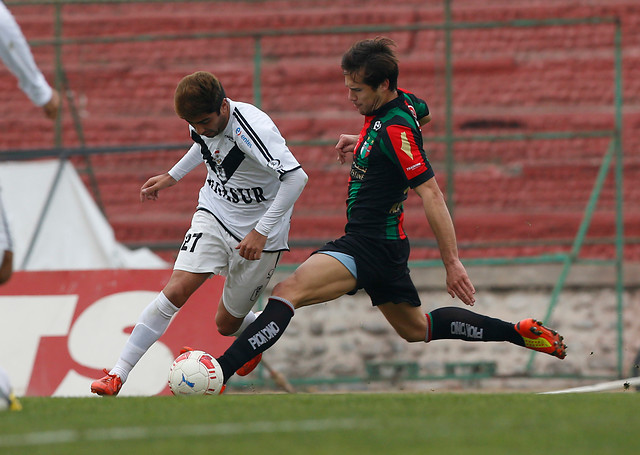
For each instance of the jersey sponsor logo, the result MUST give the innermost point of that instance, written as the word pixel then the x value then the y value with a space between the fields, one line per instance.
pixel 415 166
pixel 357 172
pixel 243 138
pixel 253 195
pixel 467 330
pixel 264 335
pixel 377 125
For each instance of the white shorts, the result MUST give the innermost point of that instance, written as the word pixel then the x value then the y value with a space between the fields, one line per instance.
pixel 6 243
pixel 209 248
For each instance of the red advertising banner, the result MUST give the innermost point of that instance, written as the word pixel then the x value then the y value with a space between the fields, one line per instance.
pixel 58 330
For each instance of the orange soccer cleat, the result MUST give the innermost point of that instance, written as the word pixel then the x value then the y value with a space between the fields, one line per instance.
pixel 249 366
pixel 540 338
pixel 108 385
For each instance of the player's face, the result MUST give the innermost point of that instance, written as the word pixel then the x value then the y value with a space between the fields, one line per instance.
pixel 210 125
pixel 364 97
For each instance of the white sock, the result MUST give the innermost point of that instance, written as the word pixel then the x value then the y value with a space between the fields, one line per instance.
pixel 153 322
pixel 248 319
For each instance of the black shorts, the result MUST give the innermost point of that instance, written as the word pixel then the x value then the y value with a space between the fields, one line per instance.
pixel 382 267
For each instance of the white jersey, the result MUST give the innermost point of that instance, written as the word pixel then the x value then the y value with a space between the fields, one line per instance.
pixel 16 54
pixel 244 166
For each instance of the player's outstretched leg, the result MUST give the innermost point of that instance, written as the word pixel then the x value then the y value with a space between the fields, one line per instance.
pixel 462 324
pixel 541 339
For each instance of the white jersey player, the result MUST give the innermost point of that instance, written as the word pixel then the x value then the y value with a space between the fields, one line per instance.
pixel 241 224
pixel 16 55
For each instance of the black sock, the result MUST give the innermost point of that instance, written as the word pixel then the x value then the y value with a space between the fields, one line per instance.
pixel 461 324
pixel 259 336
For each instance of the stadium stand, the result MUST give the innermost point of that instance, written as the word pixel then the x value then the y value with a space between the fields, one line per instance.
pixel 515 197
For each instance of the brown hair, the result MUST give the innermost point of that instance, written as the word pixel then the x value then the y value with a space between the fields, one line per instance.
pixel 376 60
pixel 197 94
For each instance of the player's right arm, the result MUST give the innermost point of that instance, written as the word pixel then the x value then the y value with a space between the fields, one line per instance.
pixel 345 146
pixel 187 163
pixel 152 186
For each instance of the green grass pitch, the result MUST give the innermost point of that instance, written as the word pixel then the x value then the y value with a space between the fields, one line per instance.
pixel 350 423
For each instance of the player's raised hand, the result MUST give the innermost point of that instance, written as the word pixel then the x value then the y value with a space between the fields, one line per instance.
pixel 345 146
pixel 152 186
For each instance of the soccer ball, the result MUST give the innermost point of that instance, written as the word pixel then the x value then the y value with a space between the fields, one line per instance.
pixel 195 373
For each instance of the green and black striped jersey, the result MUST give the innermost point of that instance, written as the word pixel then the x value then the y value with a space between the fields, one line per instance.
pixel 388 160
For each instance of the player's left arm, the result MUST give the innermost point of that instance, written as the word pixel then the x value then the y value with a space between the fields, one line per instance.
pixel 407 147
pixel 424 120
pixel 435 208
pixel 291 186
pixel 269 149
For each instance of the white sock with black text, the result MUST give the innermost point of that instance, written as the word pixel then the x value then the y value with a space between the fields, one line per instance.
pixel 152 323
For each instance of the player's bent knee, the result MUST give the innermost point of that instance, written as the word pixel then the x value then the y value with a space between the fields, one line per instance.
pixel 286 290
pixel 225 332
pixel 413 334
pixel 228 328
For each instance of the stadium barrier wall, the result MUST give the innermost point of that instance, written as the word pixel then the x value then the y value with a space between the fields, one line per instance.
pixel 60 329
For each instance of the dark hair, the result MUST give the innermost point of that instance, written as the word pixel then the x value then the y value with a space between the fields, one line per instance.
pixel 374 60
pixel 198 94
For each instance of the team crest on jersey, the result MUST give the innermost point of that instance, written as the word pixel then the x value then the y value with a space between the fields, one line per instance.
pixel 365 149
pixel 217 158
pixel 222 175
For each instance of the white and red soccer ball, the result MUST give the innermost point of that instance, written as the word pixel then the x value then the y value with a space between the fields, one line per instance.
pixel 195 373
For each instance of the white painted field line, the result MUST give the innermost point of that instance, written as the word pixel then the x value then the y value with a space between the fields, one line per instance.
pixel 611 385
pixel 132 433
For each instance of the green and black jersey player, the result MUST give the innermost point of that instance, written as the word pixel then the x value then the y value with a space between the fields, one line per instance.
pixel 388 160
